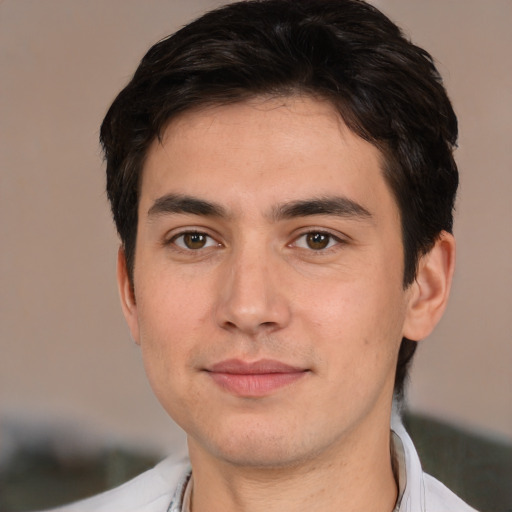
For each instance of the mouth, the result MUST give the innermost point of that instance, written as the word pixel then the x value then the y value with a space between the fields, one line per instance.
pixel 254 379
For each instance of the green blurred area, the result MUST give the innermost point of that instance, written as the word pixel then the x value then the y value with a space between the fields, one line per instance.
pixel 476 468
pixel 40 480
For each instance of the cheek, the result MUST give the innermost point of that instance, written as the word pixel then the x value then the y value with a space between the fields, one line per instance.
pixel 170 317
pixel 170 304
pixel 172 325
pixel 357 325
pixel 166 347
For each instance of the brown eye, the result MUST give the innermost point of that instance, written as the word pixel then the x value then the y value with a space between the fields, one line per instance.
pixel 194 240
pixel 317 241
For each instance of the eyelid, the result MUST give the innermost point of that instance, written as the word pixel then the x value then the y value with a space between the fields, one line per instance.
pixel 337 237
pixel 171 237
pixel 175 234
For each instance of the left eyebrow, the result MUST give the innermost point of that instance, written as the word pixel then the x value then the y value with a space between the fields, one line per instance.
pixel 333 205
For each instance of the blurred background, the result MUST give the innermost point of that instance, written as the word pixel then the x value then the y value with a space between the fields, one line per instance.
pixel 73 395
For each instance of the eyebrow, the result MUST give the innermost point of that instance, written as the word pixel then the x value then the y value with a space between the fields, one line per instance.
pixel 336 205
pixel 176 203
pixel 333 205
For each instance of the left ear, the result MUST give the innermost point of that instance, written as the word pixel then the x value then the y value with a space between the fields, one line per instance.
pixel 430 291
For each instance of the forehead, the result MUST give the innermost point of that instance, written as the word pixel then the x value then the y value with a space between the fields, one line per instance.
pixel 258 121
pixel 264 148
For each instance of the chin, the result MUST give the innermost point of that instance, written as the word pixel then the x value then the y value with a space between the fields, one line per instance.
pixel 262 450
pixel 262 458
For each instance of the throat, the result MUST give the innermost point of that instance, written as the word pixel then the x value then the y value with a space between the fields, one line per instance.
pixel 338 486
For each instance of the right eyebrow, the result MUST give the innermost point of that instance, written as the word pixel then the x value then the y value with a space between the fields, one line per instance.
pixel 177 203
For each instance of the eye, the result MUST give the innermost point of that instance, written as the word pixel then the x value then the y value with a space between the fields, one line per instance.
pixel 194 240
pixel 316 241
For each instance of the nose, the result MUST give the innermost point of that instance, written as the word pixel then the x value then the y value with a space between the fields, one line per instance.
pixel 252 298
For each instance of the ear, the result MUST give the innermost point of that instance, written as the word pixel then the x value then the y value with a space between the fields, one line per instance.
pixel 430 291
pixel 127 295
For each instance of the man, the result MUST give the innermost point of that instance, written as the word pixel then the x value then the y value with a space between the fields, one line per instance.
pixel 282 180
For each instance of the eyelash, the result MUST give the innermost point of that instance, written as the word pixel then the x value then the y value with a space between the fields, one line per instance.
pixel 332 241
pixel 209 239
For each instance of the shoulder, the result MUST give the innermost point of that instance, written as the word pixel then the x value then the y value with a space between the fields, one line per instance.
pixel 151 491
pixel 440 499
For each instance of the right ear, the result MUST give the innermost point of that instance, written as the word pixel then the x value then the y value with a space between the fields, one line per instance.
pixel 127 295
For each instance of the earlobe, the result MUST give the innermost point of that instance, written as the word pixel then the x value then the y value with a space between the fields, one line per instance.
pixel 127 296
pixel 431 289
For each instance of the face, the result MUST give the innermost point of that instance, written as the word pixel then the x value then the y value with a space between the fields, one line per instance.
pixel 268 298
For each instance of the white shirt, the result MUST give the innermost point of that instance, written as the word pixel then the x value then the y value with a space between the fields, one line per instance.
pixel 163 488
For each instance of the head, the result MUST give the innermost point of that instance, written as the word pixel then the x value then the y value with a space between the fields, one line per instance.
pixel 386 90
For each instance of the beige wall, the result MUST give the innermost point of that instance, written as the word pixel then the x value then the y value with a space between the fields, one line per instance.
pixel 66 356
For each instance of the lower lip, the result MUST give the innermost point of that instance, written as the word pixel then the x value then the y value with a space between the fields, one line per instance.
pixel 254 385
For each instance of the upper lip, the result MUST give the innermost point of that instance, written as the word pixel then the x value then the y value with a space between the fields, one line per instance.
pixel 260 367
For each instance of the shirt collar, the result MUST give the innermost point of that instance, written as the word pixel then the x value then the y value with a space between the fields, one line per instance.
pixel 181 498
pixel 399 454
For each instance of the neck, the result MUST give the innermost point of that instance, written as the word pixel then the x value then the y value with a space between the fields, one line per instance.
pixel 349 476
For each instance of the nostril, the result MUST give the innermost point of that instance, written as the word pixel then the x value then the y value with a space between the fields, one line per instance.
pixel 230 325
pixel 250 328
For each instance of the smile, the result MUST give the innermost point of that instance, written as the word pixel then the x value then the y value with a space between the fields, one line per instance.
pixel 253 380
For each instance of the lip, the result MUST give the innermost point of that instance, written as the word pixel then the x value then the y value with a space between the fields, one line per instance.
pixel 254 379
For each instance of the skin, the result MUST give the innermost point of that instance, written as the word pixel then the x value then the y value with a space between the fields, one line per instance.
pixel 247 273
